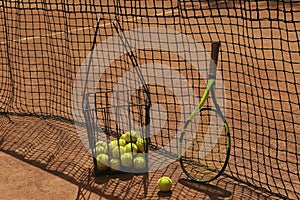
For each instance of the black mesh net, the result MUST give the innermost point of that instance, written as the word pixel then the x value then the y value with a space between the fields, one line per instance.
pixel 45 46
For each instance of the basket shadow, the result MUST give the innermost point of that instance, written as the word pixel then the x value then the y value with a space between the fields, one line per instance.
pixel 117 186
pixel 55 147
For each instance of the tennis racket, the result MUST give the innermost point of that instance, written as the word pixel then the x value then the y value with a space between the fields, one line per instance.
pixel 204 143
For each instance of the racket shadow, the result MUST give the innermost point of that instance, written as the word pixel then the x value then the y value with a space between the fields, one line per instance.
pixel 213 191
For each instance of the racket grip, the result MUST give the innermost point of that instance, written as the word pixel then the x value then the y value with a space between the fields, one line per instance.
pixel 215 46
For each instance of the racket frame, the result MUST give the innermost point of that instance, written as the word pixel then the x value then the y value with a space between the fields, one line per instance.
pixel 210 89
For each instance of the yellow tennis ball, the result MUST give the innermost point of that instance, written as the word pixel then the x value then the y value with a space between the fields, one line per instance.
pixel 139 163
pixel 102 162
pixel 123 136
pixel 131 147
pixel 164 184
pixel 111 146
pixel 126 159
pixel 115 164
pixel 101 143
pixel 143 155
pixel 141 143
pixel 118 151
pixel 114 142
pixel 130 136
pixel 101 150
pixel 122 142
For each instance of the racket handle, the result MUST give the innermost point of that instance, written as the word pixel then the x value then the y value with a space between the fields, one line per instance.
pixel 215 46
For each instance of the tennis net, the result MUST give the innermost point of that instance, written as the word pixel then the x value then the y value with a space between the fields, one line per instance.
pixel 45 43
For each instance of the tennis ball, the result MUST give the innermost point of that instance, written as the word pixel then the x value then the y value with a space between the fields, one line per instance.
pixel 118 151
pixel 126 159
pixel 123 136
pixel 111 146
pixel 131 147
pixel 118 142
pixel 139 163
pixel 115 164
pixel 164 184
pixel 102 162
pixel 101 150
pixel 130 136
pixel 140 155
pixel 122 142
pixel 101 143
pixel 141 143
pixel 114 142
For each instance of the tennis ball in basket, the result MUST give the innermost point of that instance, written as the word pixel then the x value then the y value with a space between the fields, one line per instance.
pixel 139 163
pixel 122 142
pixel 102 162
pixel 131 147
pixel 126 159
pixel 141 143
pixel 115 164
pixel 111 146
pixel 123 136
pixel 101 143
pixel 101 150
pixel 114 142
pixel 164 184
pixel 130 136
pixel 140 155
pixel 118 151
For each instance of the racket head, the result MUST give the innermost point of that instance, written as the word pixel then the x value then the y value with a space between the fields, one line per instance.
pixel 204 145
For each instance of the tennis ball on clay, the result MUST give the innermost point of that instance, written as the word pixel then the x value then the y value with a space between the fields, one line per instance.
pixel 101 150
pixel 139 163
pixel 126 159
pixel 130 136
pixel 118 151
pixel 164 184
pixel 141 143
pixel 115 164
pixel 131 147
pixel 102 162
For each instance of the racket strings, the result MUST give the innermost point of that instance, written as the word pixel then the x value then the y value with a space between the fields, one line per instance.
pixel 205 149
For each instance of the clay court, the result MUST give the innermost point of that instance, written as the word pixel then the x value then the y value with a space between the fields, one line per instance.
pixel 43 142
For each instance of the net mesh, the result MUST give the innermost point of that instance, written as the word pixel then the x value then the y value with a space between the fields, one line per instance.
pixel 45 43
